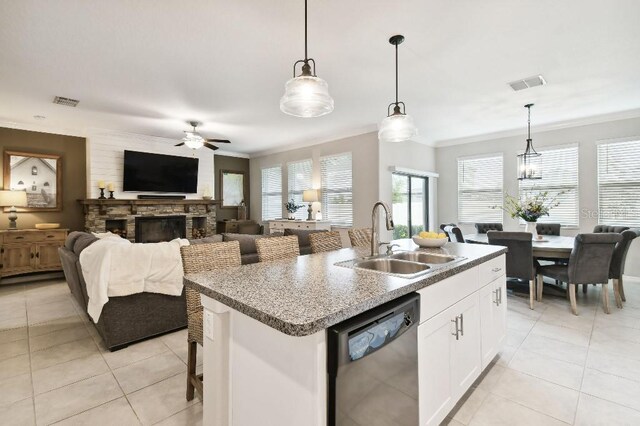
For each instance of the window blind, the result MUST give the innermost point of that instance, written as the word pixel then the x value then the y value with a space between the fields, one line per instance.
pixel 337 189
pixel 619 183
pixel 272 193
pixel 559 167
pixel 479 188
pixel 299 179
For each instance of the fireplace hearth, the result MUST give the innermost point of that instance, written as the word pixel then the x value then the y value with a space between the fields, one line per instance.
pixel 154 229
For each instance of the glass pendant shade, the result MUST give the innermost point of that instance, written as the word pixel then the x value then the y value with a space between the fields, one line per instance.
pixel 193 142
pixel 528 166
pixel 306 96
pixel 397 128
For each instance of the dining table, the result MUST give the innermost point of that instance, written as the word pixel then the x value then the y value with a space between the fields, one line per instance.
pixel 548 246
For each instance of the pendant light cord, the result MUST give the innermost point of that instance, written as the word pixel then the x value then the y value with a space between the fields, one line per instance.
pixel 396 73
pixel 529 124
pixel 305 31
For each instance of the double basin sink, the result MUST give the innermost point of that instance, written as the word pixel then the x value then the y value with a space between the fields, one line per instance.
pixel 407 263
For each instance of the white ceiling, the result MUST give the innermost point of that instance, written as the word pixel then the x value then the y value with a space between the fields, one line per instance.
pixel 148 66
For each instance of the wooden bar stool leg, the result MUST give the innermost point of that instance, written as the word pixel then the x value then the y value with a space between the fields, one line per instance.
pixel 532 292
pixel 191 368
pixel 540 286
pixel 621 286
pixel 585 287
pixel 571 289
pixel 616 293
pixel 605 298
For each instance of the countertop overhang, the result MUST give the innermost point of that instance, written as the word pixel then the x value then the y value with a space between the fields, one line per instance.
pixel 310 293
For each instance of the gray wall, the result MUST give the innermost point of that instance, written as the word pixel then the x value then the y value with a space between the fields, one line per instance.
pixel 236 164
pixel 586 136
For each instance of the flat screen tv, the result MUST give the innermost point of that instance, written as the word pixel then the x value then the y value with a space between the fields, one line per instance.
pixel 144 171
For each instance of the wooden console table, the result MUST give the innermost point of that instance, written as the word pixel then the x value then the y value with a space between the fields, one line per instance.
pixel 30 250
pixel 311 225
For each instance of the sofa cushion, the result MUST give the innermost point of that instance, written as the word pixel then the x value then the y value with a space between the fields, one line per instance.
pixel 212 239
pixel 303 236
pixel 71 239
pixel 247 241
pixel 248 259
pixel 82 242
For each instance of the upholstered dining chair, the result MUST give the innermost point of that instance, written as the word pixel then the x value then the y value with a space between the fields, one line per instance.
pixel 519 257
pixel 454 234
pixel 598 229
pixel 619 258
pixel 589 263
pixel 444 225
pixel 483 228
pixel 276 248
pixel 548 228
pixel 198 258
pixel 325 241
pixel 360 237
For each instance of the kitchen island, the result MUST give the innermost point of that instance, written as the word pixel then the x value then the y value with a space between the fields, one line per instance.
pixel 265 349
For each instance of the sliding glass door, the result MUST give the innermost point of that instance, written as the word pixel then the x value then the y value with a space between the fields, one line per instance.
pixel 410 198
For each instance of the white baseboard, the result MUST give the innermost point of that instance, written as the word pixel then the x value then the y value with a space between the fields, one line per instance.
pixel 631 278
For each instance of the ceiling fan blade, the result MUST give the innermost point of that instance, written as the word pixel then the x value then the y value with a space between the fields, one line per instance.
pixel 179 144
pixel 219 140
pixel 213 147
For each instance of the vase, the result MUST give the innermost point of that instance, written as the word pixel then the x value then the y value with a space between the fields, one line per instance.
pixel 292 216
pixel 532 227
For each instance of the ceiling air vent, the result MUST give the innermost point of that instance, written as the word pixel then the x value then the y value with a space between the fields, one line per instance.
pixel 60 100
pixel 528 82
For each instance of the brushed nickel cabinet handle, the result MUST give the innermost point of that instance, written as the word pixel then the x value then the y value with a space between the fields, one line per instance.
pixel 457 329
pixel 497 299
pixel 496 269
pixel 462 324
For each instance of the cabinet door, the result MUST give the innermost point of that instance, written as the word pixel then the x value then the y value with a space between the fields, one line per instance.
pixel 500 320
pixel 488 307
pixel 16 258
pixel 466 362
pixel 47 256
pixel 435 345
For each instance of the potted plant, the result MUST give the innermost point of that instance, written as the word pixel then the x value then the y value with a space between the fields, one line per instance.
pixel 530 208
pixel 292 208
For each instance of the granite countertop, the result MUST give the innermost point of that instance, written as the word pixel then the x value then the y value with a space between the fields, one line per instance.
pixel 310 293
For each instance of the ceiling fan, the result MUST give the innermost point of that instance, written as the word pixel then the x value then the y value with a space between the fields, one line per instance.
pixel 194 140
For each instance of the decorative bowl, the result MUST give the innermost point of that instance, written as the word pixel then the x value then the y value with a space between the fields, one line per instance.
pixel 429 242
pixel 47 225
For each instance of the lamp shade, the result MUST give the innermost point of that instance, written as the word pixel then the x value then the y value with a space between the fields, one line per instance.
pixel 397 128
pixel 310 196
pixel 13 198
pixel 306 96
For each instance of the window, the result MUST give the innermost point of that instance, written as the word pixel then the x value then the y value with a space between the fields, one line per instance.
pixel 272 193
pixel 409 204
pixel 559 167
pixel 299 178
pixel 619 183
pixel 337 192
pixel 479 189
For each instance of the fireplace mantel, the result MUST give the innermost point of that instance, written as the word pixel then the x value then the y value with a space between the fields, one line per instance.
pixel 134 203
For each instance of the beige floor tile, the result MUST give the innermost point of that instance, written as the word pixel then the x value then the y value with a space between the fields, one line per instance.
pixel 616 319
pixel 612 388
pixel 545 397
pixel 51 311
pixel 603 342
pixel 11 349
pixel 15 389
pixel 63 353
pixel 60 337
pixel 450 422
pixel 73 399
pixel 148 371
pixel 594 411
pixel 559 317
pixel 519 322
pixel 161 400
pixel 490 377
pixel 34 302
pixel 55 325
pixel 63 374
pixel 555 349
pixel 564 334
pixel 614 364
pixel 13 322
pixel 497 411
pixel 555 371
pixel 515 338
pixel 13 334
pixel 468 405
pixel 192 416
pixel 134 353
pixel 619 332
pixel 18 414
pixel 505 355
pixel 115 413
pixel 17 310
pixel 15 366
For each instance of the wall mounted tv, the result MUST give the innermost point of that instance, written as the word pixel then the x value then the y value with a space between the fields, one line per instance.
pixel 159 173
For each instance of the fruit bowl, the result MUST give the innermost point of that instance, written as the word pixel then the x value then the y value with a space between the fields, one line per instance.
pixel 429 242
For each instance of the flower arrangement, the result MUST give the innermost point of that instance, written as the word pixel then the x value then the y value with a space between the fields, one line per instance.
pixel 292 207
pixel 531 207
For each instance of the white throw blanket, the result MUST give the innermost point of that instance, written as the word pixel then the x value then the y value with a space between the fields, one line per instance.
pixel 116 267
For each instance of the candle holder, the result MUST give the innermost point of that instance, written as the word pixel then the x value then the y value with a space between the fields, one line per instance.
pixel 111 197
pixel 102 197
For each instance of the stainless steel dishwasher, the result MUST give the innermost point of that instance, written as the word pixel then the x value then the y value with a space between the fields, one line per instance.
pixel 372 365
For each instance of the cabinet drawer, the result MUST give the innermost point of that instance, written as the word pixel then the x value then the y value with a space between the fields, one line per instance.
pixel 276 225
pixel 441 295
pixel 20 237
pixel 494 268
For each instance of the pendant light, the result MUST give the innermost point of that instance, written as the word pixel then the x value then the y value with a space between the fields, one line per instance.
pixel 306 95
pixel 528 164
pixel 398 126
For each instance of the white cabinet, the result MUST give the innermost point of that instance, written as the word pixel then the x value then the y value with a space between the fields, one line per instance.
pixel 449 358
pixel 310 225
pixel 493 318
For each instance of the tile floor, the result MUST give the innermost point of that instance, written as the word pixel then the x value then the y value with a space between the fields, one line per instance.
pixel 555 369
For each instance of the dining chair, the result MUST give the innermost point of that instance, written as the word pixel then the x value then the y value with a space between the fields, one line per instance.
pixel 276 248
pixel 608 228
pixel 198 258
pixel 483 228
pixel 589 263
pixel 454 234
pixel 519 257
pixel 360 237
pixel 325 241
pixel 548 228
pixel 444 225
pixel 618 260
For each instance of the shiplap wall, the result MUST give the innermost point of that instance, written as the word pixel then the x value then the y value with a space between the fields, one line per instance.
pixel 105 152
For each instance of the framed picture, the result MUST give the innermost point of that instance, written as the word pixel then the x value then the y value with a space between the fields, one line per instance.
pixel 40 175
pixel 232 188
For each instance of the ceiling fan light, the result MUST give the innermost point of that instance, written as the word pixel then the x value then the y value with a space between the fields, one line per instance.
pixel 306 96
pixel 397 128
pixel 193 142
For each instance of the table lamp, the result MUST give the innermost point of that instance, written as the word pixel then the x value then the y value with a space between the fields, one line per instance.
pixel 13 199
pixel 310 196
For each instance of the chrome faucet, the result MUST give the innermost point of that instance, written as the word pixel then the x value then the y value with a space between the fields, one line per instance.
pixel 375 238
